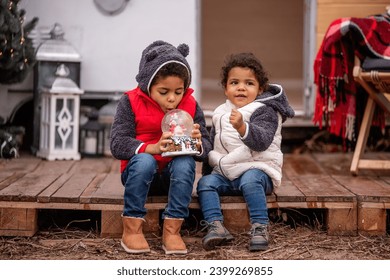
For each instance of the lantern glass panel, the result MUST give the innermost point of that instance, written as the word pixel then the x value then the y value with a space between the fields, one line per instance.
pixel 59 106
pixel 64 124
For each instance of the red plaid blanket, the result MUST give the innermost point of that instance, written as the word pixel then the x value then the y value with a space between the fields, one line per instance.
pixel 336 90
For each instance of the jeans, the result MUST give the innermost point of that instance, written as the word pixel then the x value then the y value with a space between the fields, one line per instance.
pixel 253 185
pixel 141 178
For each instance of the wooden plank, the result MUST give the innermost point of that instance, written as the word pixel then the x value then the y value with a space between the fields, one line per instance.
pixel 328 13
pixel 354 2
pixel 27 187
pixel 64 205
pixel 5 175
pixel 110 190
pixel 161 199
pixel 300 165
pixel 54 167
pixel 71 190
pixel 322 188
pixel 22 164
pixel 314 204
pixel 119 207
pixel 334 163
pixel 385 172
pixel 374 164
pixel 386 179
pixel 45 195
pixel 85 197
pixel 367 163
pixel 366 189
pixel 93 165
pixel 8 180
pixel 288 192
pixel 271 197
pixel 115 166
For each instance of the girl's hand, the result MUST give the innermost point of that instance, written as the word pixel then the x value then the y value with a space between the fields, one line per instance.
pixel 196 134
pixel 237 121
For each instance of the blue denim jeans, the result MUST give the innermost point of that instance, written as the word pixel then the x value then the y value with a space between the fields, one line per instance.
pixel 141 178
pixel 253 185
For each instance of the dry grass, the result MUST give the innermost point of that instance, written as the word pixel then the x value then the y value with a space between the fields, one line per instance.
pixel 287 243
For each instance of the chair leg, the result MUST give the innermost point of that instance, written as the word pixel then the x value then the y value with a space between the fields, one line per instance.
pixel 363 135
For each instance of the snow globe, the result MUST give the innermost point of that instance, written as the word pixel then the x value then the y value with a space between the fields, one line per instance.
pixel 180 123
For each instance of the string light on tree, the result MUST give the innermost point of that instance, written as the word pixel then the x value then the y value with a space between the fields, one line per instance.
pixel 17 54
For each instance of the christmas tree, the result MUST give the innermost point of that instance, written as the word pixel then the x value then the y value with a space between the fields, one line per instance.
pixel 17 54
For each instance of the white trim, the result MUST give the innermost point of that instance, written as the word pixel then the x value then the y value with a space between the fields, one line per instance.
pixel 165 63
pixel 273 96
pixel 309 52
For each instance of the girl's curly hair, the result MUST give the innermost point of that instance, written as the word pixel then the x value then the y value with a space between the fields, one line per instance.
pixel 245 60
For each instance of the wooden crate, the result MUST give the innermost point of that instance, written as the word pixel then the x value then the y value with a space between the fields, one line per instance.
pixel 318 181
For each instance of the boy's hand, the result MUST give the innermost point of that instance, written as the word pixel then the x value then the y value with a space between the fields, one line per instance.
pixel 237 121
pixel 196 134
pixel 163 145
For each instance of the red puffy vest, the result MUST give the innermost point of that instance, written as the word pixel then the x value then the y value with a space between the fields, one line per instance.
pixel 148 116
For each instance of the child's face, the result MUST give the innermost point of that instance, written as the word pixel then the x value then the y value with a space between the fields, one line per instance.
pixel 242 86
pixel 168 92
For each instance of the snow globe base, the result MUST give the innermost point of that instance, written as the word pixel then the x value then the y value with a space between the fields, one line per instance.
pixel 179 153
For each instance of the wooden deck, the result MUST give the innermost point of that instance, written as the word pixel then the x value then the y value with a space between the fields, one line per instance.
pixel 353 204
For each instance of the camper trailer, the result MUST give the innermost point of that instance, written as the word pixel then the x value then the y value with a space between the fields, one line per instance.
pixel 109 39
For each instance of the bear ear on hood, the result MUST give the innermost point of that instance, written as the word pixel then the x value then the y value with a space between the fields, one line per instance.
pixel 184 49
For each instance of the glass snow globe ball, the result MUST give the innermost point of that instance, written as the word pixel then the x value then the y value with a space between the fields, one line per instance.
pixel 177 121
pixel 180 124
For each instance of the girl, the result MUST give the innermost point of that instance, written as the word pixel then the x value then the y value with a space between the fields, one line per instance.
pixel 246 158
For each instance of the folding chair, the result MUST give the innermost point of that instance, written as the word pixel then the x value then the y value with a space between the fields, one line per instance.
pixel 374 77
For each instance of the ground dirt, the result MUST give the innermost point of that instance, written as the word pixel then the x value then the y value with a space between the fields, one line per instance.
pixel 286 243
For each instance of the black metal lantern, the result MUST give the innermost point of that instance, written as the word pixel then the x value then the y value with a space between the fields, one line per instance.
pixel 92 136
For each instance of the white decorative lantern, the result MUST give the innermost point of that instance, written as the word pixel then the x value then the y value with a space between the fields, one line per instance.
pixel 60 106
pixel 51 54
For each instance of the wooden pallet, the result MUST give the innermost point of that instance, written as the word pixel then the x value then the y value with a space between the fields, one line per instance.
pixel 29 184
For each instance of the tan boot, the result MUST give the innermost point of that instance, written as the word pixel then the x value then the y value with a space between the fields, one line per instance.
pixel 133 240
pixel 172 241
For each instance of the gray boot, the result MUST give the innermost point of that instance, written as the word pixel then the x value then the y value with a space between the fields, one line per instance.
pixel 216 235
pixel 259 241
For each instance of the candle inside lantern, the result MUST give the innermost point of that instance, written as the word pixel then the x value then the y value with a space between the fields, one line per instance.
pixel 90 145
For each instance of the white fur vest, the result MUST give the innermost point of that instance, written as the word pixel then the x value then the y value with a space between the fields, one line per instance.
pixel 231 157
